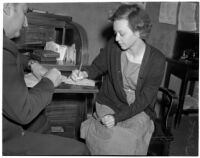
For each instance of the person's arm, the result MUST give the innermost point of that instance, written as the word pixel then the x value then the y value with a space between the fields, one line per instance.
pixel 19 103
pixel 148 93
pixel 98 67
pixel 24 61
pixel 100 64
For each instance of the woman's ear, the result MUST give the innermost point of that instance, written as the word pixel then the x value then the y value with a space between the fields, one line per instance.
pixel 137 33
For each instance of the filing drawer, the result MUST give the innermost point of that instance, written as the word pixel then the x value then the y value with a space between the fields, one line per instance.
pixel 65 117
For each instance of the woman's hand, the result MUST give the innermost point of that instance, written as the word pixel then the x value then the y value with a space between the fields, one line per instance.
pixel 108 121
pixel 78 75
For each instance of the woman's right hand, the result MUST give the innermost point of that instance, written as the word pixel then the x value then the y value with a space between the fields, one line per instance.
pixel 108 120
pixel 77 75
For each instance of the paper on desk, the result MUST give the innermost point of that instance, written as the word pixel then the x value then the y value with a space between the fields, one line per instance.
pixel 30 80
pixel 84 82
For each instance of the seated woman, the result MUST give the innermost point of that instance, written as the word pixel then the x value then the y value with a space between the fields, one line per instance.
pixel 133 71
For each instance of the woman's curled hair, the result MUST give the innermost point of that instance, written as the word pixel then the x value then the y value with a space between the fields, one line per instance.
pixel 137 17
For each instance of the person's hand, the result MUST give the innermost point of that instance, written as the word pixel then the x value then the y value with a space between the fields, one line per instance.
pixel 38 70
pixel 78 75
pixel 55 76
pixel 108 121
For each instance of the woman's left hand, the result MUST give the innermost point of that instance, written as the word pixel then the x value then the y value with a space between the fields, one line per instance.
pixel 108 121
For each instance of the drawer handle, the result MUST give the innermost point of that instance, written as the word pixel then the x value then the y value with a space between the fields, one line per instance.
pixel 56 129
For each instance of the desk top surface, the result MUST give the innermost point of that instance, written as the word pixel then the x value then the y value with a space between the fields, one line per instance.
pixel 67 88
pixel 183 63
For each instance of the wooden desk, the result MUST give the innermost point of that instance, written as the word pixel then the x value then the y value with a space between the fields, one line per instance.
pixel 66 68
pixel 67 88
pixel 186 71
pixel 89 91
pixel 71 105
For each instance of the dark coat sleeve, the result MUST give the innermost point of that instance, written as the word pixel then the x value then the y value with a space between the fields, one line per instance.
pixel 21 104
pixel 99 66
pixel 148 92
pixel 24 61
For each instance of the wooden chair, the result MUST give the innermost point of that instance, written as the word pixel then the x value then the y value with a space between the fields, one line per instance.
pixel 162 136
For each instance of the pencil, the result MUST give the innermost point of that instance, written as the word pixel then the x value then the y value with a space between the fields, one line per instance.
pixel 80 67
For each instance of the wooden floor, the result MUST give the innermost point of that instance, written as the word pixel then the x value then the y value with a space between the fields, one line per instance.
pixel 186 137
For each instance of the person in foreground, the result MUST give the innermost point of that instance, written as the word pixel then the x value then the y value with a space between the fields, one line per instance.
pixel 133 71
pixel 20 104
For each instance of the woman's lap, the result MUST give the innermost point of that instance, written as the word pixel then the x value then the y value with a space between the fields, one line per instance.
pixel 129 137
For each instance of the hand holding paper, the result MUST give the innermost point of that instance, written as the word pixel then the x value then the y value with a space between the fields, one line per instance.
pixel 38 70
pixel 55 76
pixel 79 78
pixel 78 75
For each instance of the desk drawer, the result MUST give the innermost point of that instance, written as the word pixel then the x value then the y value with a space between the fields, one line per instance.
pixel 63 130
pixel 65 117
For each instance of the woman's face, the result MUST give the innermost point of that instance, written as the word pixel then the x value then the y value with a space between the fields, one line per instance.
pixel 124 35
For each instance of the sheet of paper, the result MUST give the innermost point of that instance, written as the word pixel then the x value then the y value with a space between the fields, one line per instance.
pixel 168 12
pixel 84 82
pixel 30 80
pixel 186 19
